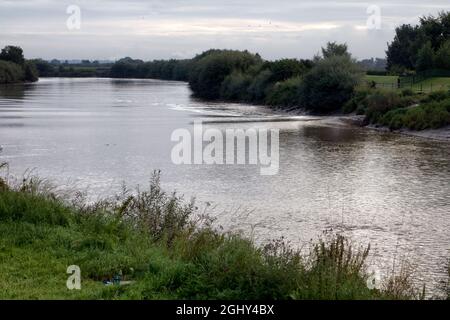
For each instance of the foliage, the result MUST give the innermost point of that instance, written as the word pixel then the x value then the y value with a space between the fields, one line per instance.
pixel 14 68
pixel 235 87
pixel 414 46
pixel 10 72
pixel 157 242
pixel 12 54
pixel 431 115
pixel 329 84
pixel 209 72
pixel 335 49
pixel 425 57
pixel 157 69
pixel 442 60
pixel 285 93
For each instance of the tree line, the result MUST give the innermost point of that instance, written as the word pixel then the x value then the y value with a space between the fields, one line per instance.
pixel 14 68
pixel 241 76
pixel 421 47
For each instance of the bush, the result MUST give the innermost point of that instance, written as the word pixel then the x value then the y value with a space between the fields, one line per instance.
pixel 358 102
pixel 209 71
pixel 427 116
pixel 436 96
pixel 285 93
pixel 31 73
pixel 407 93
pixel 260 86
pixel 235 87
pixel 329 84
pixel 382 101
pixel 10 72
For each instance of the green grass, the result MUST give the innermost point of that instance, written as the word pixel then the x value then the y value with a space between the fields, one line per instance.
pixel 382 79
pixel 156 241
pixel 398 109
pixel 428 85
pixel 434 84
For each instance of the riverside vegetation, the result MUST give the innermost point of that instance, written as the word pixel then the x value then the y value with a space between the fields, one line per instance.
pixel 166 250
pixel 14 68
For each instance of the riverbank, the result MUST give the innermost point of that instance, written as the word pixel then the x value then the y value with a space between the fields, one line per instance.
pixel 157 247
pixel 441 134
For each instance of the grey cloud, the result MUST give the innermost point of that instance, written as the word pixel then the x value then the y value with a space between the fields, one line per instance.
pixel 180 28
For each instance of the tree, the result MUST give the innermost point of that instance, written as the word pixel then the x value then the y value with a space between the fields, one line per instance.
pixel 208 72
pixel 403 51
pixel 400 49
pixel 13 54
pixel 425 57
pixel 44 68
pixel 329 84
pixel 10 72
pixel 442 60
pixel 31 73
pixel 335 49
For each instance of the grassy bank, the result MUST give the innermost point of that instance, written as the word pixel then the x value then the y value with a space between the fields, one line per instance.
pixel 167 251
pixel 401 109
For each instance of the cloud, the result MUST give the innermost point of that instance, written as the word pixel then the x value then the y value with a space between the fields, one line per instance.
pixel 174 28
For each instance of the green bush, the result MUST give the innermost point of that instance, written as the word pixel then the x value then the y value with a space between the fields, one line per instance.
pixel 285 93
pixel 432 115
pixel 358 102
pixel 10 72
pixel 329 84
pixel 260 86
pixel 209 71
pixel 235 87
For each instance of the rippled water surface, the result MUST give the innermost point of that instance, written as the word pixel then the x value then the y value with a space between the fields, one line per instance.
pixel 388 190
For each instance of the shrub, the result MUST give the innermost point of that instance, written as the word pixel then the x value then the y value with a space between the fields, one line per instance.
pixel 235 87
pixel 285 93
pixel 329 84
pixel 208 72
pixel 31 73
pixel 10 72
pixel 260 86
pixel 407 93
pixel 379 103
pixel 427 116
pixel 358 102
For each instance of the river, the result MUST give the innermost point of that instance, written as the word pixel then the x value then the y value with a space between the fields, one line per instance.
pixel 389 190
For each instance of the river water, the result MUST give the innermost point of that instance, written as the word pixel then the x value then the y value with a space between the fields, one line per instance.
pixel 388 190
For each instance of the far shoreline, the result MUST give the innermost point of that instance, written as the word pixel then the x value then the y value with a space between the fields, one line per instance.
pixel 441 134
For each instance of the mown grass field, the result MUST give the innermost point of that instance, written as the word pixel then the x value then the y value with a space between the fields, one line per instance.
pixel 382 79
pixel 428 85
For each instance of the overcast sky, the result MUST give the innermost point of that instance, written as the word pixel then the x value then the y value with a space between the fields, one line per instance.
pixel 157 29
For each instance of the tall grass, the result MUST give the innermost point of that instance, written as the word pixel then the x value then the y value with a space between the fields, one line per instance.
pixel 165 248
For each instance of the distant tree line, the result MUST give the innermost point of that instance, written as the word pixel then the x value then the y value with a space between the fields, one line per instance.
pixel 421 47
pixel 322 84
pixel 14 68
pixel 85 68
pixel 373 65
pixel 157 69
